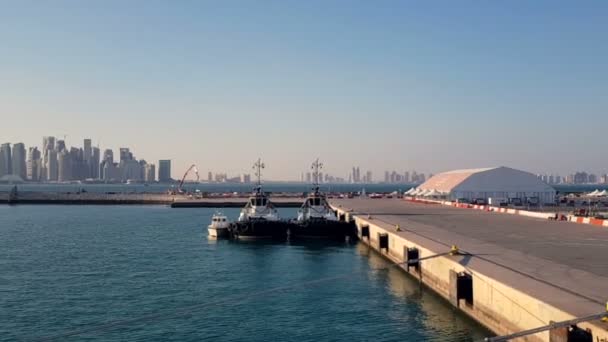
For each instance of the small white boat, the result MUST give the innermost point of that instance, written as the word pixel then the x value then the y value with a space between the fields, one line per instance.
pixel 219 226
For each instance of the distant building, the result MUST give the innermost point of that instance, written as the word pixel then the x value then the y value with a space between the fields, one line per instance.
pixel 33 164
pixel 387 176
pixel 6 160
pixel 131 170
pixel 592 178
pixel 604 179
pixel 210 177
pixel 125 154
pixel 164 171
pixel 64 166
pixel 246 178
pixel 19 158
pixel 88 150
pixel 94 163
pixel 150 173
pixel 52 168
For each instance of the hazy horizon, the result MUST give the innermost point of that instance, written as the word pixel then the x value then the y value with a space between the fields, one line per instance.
pixel 427 86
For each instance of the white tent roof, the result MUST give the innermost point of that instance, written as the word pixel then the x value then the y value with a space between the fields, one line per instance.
pixel 496 179
pixel 433 192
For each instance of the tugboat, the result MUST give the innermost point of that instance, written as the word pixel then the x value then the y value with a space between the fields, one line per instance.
pixel 219 226
pixel 259 218
pixel 315 218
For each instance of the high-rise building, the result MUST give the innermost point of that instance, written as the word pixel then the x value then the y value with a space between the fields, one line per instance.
pixel 33 164
pixel 386 177
pixel 164 171
pixel 87 155
pixel 150 173
pixel 108 155
pixel 88 150
pixel 210 177
pixel 245 178
pixel 308 177
pixel 131 170
pixel 60 146
pixel 6 165
pixel 406 177
pixel 64 166
pixel 368 177
pixel 48 144
pixel 125 154
pixel 94 163
pixel 18 161
pixel 52 168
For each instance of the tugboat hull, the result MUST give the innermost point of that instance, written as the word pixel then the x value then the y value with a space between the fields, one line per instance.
pixel 258 229
pixel 321 228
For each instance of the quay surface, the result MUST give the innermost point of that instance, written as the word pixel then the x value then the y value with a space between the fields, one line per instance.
pixel 525 272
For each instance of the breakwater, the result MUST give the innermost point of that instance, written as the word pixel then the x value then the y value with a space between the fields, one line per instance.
pixel 173 200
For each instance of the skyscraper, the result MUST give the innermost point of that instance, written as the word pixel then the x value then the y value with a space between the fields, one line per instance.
pixel 6 166
pixel 94 164
pixel 150 173
pixel 18 161
pixel 87 155
pixel 164 170
pixel 125 154
pixel 48 144
pixel 33 164
pixel 108 155
pixel 64 166
pixel 60 145
pixel 52 168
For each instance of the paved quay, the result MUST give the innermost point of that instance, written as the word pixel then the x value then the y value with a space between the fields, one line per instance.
pixel 562 264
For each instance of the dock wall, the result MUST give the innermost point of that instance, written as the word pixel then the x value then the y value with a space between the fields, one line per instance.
pixel 501 308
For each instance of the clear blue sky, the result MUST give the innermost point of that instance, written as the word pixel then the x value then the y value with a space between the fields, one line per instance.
pixel 430 85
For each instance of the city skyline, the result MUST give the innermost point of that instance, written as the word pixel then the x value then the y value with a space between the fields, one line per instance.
pixel 435 86
pixel 56 161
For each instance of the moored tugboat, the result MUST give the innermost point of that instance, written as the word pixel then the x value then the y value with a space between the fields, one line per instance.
pixel 315 218
pixel 259 218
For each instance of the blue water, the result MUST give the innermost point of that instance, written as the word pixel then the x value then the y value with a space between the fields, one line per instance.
pixel 65 268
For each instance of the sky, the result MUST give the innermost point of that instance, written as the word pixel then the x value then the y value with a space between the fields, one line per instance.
pixel 426 85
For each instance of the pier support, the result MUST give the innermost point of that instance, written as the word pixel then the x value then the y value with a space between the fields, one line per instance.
pixel 365 231
pixel 461 287
pixel 412 256
pixel 383 241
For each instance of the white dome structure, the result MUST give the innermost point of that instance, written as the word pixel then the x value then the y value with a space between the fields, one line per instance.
pixel 499 183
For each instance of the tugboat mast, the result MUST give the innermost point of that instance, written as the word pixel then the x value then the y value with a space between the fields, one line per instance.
pixel 316 166
pixel 258 166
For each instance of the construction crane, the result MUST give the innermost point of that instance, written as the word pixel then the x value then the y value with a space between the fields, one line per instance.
pixel 181 183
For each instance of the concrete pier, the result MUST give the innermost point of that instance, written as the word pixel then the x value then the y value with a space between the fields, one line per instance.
pixel 521 273
pixel 175 201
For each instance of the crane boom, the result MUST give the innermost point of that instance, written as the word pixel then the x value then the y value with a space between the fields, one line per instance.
pixel 181 183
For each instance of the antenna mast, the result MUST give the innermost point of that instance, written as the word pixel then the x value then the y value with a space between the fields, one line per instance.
pixel 316 166
pixel 258 166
